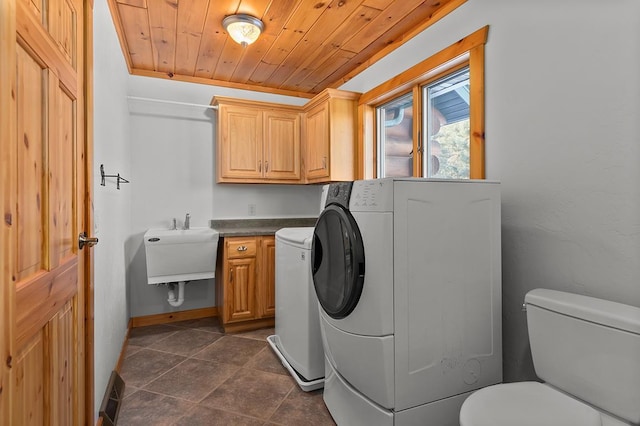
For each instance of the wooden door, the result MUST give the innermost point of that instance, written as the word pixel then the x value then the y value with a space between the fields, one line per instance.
pixel 239 143
pixel 282 145
pixel 317 142
pixel 240 257
pixel 44 187
pixel 266 285
pixel 240 296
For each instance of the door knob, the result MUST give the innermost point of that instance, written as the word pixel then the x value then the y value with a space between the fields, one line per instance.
pixel 83 240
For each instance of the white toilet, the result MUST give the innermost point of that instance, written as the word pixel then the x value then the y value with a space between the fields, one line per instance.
pixel 587 352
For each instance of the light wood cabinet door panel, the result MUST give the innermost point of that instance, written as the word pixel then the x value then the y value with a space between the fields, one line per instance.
pixel 281 145
pixel 266 286
pixel 317 142
pixel 240 299
pixel 240 142
pixel 330 137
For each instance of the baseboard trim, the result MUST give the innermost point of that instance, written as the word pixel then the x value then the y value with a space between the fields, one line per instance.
pixel 124 348
pixel 173 317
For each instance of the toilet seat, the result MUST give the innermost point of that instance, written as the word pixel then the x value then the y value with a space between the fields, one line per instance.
pixel 525 404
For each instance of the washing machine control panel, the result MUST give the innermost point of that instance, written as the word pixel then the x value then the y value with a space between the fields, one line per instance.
pixel 372 196
pixel 339 193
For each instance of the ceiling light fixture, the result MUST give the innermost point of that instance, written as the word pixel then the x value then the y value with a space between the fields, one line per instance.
pixel 244 29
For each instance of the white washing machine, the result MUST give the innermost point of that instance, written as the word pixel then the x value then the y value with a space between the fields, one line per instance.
pixel 408 276
pixel 297 341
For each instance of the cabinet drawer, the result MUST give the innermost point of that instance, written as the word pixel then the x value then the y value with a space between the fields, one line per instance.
pixel 241 248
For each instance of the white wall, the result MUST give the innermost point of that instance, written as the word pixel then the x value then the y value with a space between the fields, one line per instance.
pixel 562 135
pixel 173 172
pixel 112 208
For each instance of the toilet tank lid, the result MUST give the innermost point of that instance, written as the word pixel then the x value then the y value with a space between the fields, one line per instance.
pixel 603 312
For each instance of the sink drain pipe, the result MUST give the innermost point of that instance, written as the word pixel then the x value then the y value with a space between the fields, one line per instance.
pixel 173 300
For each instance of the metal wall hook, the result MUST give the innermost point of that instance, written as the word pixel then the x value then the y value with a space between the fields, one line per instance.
pixel 118 178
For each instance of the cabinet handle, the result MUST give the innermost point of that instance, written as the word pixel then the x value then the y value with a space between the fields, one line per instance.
pixel 230 275
pixel 266 166
pixel 260 165
pixel 242 248
pixel 324 162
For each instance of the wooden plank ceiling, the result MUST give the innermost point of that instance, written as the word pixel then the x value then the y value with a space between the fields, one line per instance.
pixel 306 46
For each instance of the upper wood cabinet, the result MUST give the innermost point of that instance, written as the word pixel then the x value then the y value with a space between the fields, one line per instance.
pixel 329 136
pixel 257 142
pixel 261 142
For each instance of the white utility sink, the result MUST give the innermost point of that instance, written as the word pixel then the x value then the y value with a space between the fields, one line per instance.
pixel 175 255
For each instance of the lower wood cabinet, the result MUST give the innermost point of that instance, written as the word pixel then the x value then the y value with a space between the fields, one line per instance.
pixel 245 282
pixel 266 292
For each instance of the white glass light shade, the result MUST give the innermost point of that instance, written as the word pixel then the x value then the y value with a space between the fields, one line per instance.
pixel 244 29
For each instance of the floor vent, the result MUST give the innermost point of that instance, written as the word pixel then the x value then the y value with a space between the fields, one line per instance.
pixel 112 400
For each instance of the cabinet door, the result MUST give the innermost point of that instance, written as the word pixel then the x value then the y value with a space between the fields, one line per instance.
pixel 240 296
pixel 239 143
pixel 282 145
pixel 317 142
pixel 266 287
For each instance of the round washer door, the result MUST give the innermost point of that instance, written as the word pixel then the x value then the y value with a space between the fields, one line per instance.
pixel 338 261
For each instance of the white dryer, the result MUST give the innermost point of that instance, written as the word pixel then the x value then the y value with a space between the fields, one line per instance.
pixel 408 276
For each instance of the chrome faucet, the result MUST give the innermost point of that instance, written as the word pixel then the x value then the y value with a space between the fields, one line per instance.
pixel 186 221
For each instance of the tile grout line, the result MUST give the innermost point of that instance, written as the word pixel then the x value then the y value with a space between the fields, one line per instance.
pixel 162 374
pixel 245 367
pixel 268 420
pixel 280 404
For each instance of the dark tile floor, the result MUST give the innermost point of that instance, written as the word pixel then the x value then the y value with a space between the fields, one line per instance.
pixel 190 373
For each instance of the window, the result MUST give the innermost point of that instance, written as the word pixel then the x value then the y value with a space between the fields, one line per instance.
pixel 429 120
pixel 394 123
pixel 446 123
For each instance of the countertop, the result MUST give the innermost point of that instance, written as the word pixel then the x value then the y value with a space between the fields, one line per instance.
pixel 248 227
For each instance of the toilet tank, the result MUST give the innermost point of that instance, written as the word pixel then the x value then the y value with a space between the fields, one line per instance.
pixel 588 348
